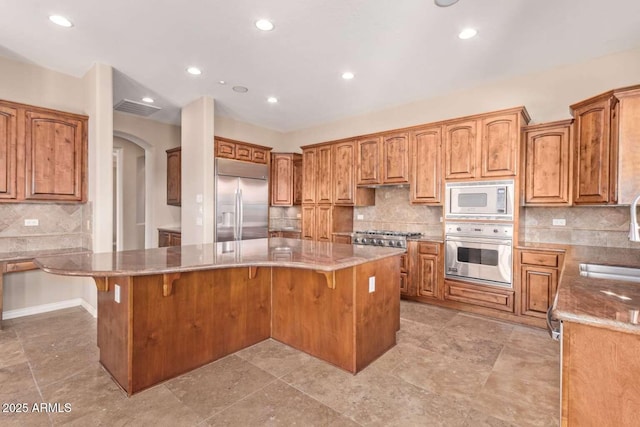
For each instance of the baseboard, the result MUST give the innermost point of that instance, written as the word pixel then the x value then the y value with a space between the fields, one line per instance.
pixel 45 308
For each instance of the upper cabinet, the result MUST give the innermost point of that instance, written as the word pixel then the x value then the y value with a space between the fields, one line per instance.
pixel 606 147
pixel 8 151
pixel 43 154
pixel 284 182
pixel 309 175
pixel 345 191
pixel 426 165
pixel 237 150
pixel 174 176
pixel 547 163
pixel 484 146
pixel 324 182
pixel 383 159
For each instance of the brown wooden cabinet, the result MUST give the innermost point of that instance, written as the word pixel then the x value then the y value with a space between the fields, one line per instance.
pixel 319 222
pixel 324 182
pixel 424 269
pixel 594 160
pixel 285 234
pixel 426 165
pixel 174 176
pixel 539 272
pixel 404 274
pixel 43 154
pixel 395 158
pixel 324 223
pixel 369 160
pixel 8 151
pixel 345 191
pixel 168 238
pixel 547 163
pixel 308 222
pixel 342 238
pixel 238 150
pixel 485 146
pixel 484 296
pixel 284 182
pixel 309 168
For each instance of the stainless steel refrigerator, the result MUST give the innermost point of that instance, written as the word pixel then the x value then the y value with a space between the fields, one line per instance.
pixel 242 200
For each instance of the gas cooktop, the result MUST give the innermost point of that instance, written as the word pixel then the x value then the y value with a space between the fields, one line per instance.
pixel 397 239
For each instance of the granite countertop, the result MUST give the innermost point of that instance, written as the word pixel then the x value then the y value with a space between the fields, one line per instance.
pixel 274 252
pixel 605 303
pixel 425 238
pixel 30 255
pixel 290 229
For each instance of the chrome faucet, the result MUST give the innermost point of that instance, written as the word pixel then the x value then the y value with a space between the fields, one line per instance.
pixel 634 229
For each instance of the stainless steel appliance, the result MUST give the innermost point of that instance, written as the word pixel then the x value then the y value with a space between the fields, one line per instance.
pixel 479 253
pixel 242 200
pixel 486 200
pixel 397 239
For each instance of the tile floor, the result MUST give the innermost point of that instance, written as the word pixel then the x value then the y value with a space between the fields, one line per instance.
pixel 448 369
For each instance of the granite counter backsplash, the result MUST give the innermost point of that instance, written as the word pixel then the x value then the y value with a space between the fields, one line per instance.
pixel 60 225
pixel 285 217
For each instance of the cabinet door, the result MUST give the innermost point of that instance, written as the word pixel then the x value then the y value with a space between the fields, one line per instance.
pixel 343 173
pixel 369 161
pixel 176 239
pixel 426 165
pixel 259 155
pixel 281 179
pixel 297 179
pixel 308 222
pixel 309 175
pixel 323 175
pixel 174 177
pixel 244 152
pixel 592 153
pixel 539 286
pixel 225 149
pixel 460 150
pixel 342 239
pixel 395 154
pixel 499 146
pixel 8 144
pixel 55 146
pixel 164 239
pixel 428 275
pixel 324 227
pixel 547 163
pixel 404 284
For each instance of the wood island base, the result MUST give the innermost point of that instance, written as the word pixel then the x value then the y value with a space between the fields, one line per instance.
pixel 167 324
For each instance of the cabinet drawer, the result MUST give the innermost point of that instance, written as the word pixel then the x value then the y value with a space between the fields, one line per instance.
pixel 243 152
pixel 428 248
pixel 258 155
pixel 14 267
pixel 539 258
pixel 225 149
pixel 483 296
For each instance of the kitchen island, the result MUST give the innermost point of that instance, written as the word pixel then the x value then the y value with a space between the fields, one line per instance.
pixel 166 311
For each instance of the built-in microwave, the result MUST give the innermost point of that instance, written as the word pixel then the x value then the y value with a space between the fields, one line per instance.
pixel 480 200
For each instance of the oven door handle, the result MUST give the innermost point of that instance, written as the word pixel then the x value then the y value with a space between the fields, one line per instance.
pixel 503 242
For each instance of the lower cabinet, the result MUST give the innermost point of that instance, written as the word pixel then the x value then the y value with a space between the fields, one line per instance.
pixel 539 272
pixel 421 275
pixel 484 296
pixel 319 222
pixel 169 238
pixel 342 238
pixel 404 274
pixel 285 234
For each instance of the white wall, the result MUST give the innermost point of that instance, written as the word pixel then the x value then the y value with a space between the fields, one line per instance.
pixel 131 236
pixel 547 96
pixel 246 132
pixel 156 137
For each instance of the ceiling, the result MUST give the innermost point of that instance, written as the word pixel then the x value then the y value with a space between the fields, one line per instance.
pixel 400 51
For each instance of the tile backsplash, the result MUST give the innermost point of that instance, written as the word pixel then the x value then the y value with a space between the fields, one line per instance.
pixel 285 217
pixel 392 211
pixel 585 225
pixel 60 225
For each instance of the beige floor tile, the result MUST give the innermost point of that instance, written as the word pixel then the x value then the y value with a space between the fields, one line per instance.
pixel 57 363
pixel 533 339
pixel 529 366
pixel 22 412
pixel 471 326
pixel 478 419
pixel 274 357
pixel 413 333
pixel 464 347
pixel 376 399
pixel 16 380
pixel 11 350
pixel 211 388
pixel 279 404
pixel 434 318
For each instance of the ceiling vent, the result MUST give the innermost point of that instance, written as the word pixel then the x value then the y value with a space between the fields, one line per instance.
pixel 133 107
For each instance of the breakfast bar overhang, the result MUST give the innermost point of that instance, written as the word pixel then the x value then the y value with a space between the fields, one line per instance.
pixel 166 311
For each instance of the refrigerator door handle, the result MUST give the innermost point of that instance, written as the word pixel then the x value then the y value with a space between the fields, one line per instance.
pixel 235 216
pixel 240 214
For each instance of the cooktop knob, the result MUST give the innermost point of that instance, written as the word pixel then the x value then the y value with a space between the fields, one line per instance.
pixel 365 240
pixel 495 230
pixel 458 228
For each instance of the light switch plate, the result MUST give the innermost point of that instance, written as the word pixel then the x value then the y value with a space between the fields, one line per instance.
pixel 360 217
pixel 559 221
pixel 31 222
pixel 116 292
pixel 372 284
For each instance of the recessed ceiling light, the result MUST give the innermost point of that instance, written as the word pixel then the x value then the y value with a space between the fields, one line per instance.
pixel 468 33
pixel 222 82
pixel 272 100
pixel 348 75
pixel 445 3
pixel 240 89
pixel 264 25
pixel 194 71
pixel 148 99
pixel 60 20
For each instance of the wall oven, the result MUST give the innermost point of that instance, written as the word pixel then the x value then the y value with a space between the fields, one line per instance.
pixel 485 200
pixel 479 253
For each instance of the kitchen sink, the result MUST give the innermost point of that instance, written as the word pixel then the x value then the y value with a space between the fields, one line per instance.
pixel 597 271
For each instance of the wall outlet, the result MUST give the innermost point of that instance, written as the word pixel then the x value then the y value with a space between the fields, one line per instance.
pixel 372 284
pixel 31 222
pixel 559 221
pixel 298 215
pixel 360 217
pixel 116 292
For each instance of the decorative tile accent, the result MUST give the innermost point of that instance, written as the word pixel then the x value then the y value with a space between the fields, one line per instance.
pixel 282 217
